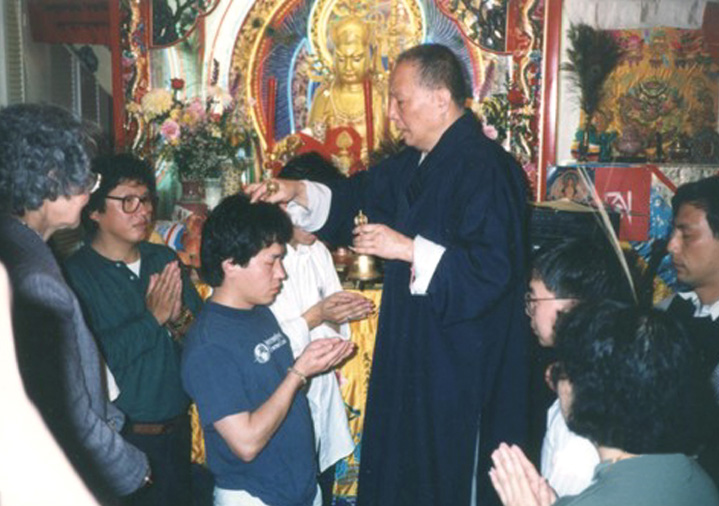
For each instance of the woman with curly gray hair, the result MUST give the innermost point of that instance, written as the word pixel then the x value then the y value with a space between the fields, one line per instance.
pixel 45 174
pixel 45 180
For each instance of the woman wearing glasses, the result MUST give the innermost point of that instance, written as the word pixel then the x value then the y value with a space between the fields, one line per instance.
pixel 45 180
pixel 138 303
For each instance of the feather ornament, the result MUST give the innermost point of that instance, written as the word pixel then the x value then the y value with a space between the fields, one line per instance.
pixel 593 55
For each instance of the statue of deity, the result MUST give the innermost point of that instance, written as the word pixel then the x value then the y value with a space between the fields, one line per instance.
pixel 341 101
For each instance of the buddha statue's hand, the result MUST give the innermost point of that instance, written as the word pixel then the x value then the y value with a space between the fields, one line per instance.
pixel 277 191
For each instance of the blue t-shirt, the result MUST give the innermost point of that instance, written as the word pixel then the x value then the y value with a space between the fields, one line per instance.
pixel 232 362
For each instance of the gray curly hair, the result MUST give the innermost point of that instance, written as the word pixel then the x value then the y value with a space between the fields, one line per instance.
pixel 45 153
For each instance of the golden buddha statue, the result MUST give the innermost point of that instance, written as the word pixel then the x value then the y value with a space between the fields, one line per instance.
pixel 341 101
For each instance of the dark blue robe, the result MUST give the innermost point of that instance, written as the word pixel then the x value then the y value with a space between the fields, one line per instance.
pixel 443 359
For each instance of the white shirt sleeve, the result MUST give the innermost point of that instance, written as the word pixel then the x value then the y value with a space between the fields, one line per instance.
pixel 328 282
pixel 427 255
pixel 312 217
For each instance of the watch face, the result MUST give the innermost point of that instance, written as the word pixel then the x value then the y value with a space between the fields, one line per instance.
pixel 705 146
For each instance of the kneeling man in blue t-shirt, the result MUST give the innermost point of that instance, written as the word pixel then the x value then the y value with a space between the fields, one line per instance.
pixel 237 364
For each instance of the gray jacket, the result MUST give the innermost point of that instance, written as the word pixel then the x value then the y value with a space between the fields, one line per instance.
pixel 61 367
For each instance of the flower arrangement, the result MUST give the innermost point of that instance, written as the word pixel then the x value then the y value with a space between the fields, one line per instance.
pixel 198 136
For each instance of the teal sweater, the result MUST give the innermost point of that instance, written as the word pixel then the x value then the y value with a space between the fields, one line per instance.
pixel 142 356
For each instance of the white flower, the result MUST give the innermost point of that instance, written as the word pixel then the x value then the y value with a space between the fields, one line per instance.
pixel 220 96
pixel 156 102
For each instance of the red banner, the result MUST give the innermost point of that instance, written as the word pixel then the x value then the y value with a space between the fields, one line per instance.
pixel 627 190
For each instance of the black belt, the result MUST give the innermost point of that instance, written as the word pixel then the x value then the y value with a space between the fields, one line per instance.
pixel 155 429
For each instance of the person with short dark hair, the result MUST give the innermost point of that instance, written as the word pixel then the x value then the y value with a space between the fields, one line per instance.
pixel 139 302
pixel 311 166
pixel 115 170
pixel 238 366
pixel 694 248
pixel 624 379
pixel 45 180
pixel 439 68
pixel 564 275
pixel 448 215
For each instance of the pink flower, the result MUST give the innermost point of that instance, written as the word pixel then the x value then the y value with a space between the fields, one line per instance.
pixel 194 112
pixel 489 131
pixel 170 130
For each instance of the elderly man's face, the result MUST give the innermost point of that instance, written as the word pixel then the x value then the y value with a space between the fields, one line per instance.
pixel 694 249
pixel 413 109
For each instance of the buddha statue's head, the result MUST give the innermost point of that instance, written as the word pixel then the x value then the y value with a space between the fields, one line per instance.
pixel 350 38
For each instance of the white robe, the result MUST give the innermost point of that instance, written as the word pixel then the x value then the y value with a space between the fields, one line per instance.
pixel 311 276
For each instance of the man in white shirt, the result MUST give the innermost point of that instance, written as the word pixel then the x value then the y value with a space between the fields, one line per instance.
pixel 312 305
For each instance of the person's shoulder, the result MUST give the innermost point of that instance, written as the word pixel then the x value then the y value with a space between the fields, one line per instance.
pixel 82 268
pixel 79 258
pixel 213 333
pixel 319 249
pixel 664 304
pixel 43 290
pixel 263 314
pixel 396 160
pixel 202 333
pixel 157 250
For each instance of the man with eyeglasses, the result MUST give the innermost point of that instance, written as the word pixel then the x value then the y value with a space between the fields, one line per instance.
pixel 138 302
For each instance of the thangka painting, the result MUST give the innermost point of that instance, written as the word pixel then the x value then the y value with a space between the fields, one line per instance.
pixel 567 183
pixel 665 89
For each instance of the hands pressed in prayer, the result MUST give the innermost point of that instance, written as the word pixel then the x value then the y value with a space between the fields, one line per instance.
pixel 322 355
pixel 164 294
pixel 381 241
pixel 516 480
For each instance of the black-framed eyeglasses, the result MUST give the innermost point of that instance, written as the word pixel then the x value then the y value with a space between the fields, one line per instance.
pixel 131 203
